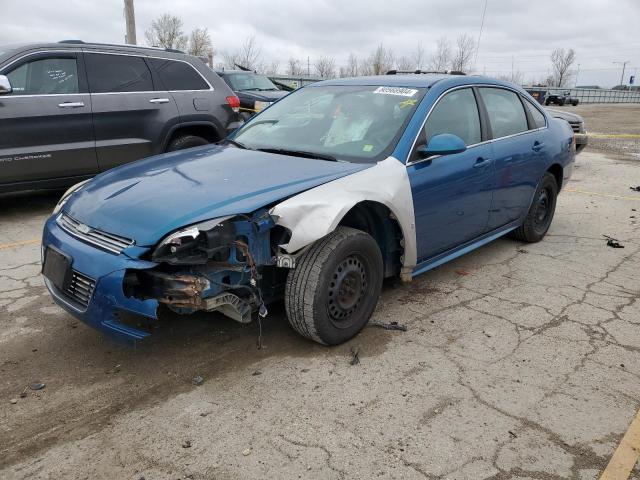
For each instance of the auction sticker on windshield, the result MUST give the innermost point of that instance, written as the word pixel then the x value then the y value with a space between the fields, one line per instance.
pixel 404 92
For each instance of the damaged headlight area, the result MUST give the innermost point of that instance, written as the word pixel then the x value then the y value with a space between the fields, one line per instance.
pixel 226 264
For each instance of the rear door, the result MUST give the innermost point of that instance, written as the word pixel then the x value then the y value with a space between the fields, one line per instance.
pixel 519 153
pixel 45 123
pixel 130 117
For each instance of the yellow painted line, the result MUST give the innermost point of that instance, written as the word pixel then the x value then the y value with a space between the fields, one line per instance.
pixel 613 135
pixel 626 455
pixel 597 194
pixel 249 109
pixel 33 241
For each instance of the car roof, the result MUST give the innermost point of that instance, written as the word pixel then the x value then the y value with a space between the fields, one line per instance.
pixel 414 80
pixel 10 50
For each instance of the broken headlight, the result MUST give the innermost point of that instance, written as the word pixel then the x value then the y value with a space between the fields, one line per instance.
pixel 197 244
pixel 68 194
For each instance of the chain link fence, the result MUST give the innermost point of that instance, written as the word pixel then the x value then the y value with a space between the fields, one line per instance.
pixel 594 95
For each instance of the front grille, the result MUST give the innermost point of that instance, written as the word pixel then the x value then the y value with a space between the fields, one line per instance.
pixel 575 126
pixel 106 241
pixel 80 289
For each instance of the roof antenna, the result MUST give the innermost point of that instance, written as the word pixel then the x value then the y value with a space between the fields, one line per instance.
pixel 484 12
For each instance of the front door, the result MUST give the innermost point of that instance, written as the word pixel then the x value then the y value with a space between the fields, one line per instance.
pixel 45 122
pixel 452 193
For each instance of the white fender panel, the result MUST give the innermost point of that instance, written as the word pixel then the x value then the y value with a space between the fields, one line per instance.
pixel 315 213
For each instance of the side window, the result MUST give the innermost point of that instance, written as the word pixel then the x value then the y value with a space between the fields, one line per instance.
pixel 117 73
pixel 456 113
pixel 178 75
pixel 538 118
pixel 506 113
pixel 45 76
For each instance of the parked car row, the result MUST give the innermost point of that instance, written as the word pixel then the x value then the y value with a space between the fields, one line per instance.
pixel 70 110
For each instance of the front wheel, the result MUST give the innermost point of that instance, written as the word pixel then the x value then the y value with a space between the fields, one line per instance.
pixel 540 215
pixel 185 141
pixel 334 288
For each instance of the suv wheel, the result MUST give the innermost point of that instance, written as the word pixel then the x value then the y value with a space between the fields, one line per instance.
pixel 332 292
pixel 540 215
pixel 185 141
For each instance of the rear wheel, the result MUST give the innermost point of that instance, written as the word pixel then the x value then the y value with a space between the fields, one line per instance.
pixel 332 292
pixel 561 102
pixel 185 141
pixel 574 103
pixel 540 215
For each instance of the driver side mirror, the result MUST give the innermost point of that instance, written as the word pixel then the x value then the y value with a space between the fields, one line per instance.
pixel 5 85
pixel 442 144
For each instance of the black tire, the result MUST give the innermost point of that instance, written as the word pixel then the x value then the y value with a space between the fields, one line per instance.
pixel 185 141
pixel 540 215
pixel 561 102
pixel 332 292
pixel 574 103
pixel 547 102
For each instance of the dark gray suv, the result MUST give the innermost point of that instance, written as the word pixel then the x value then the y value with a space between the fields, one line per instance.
pixel 70 110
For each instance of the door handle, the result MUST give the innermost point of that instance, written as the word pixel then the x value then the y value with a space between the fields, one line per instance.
pixel 482 162
pixel 537 146
pixel 159 100
pixel 71 104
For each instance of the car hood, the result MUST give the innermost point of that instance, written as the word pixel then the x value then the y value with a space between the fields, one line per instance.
pixel 568 116
pixel 146 200
pixel 264 96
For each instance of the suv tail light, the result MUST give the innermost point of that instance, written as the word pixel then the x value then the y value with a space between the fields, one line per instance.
pixel 234 103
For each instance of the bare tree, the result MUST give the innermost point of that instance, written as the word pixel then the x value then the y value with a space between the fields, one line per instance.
pixel 441 59
pixel 200 44
pixel 516 77
pixel 250 53
pixel 294 68
pixel 272 68
pixel 325 67
pixel 166 32
pixel 352 69
pixel 405 63
pixel 561 61
pixel 418 56
pixel 465 48
pixel 379 62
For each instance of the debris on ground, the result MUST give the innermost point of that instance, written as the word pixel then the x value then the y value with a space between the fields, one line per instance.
pixel 23 394
pixel 37 386
pixel 613 242
pixel 13 401
pixel 186 444
pixel 197 380
pixel 390 326
pixel 513 434
pixel 256 373
pixel 246 452
pixel 355 356
pixel 522 250
pixel 462 272
pixel 635 189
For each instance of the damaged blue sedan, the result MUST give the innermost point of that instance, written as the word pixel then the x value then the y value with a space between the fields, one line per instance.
pixel 315 201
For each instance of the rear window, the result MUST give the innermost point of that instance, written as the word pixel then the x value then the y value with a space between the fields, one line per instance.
pixel 117 73
pixel 177 75
pixel 506 113
pixel 538 118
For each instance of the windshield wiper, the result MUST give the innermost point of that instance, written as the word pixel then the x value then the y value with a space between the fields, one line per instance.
pixel 299 153
pixel 237 144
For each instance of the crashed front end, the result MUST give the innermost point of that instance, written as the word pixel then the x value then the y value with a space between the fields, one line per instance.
pixel 227 265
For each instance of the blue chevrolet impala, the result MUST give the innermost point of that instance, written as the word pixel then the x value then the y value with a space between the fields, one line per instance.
pixel 315 201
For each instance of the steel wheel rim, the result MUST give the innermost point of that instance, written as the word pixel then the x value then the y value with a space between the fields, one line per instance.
pixel 346 290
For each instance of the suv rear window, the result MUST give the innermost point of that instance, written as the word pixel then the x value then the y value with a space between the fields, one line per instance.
pixel 177 75
pixel 117 73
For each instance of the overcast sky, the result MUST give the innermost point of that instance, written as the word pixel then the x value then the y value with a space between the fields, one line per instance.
pixel 525 32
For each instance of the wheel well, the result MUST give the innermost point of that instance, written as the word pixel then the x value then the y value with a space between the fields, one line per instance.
pixel 377 220
pixel 556 171
pixel 207 132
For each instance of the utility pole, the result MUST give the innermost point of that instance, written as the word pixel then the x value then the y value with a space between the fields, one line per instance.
pixel 308 67
pixel 624 66
pixel 577 73
pixel 130 19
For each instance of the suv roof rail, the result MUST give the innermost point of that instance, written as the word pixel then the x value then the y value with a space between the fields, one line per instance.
pixel 82 42
pixel 417 72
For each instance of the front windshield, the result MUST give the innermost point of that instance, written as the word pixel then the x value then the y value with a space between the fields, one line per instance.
pixel 250 81
pixel 353 123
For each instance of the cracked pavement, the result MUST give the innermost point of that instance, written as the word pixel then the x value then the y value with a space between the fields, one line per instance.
pixel 520 361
